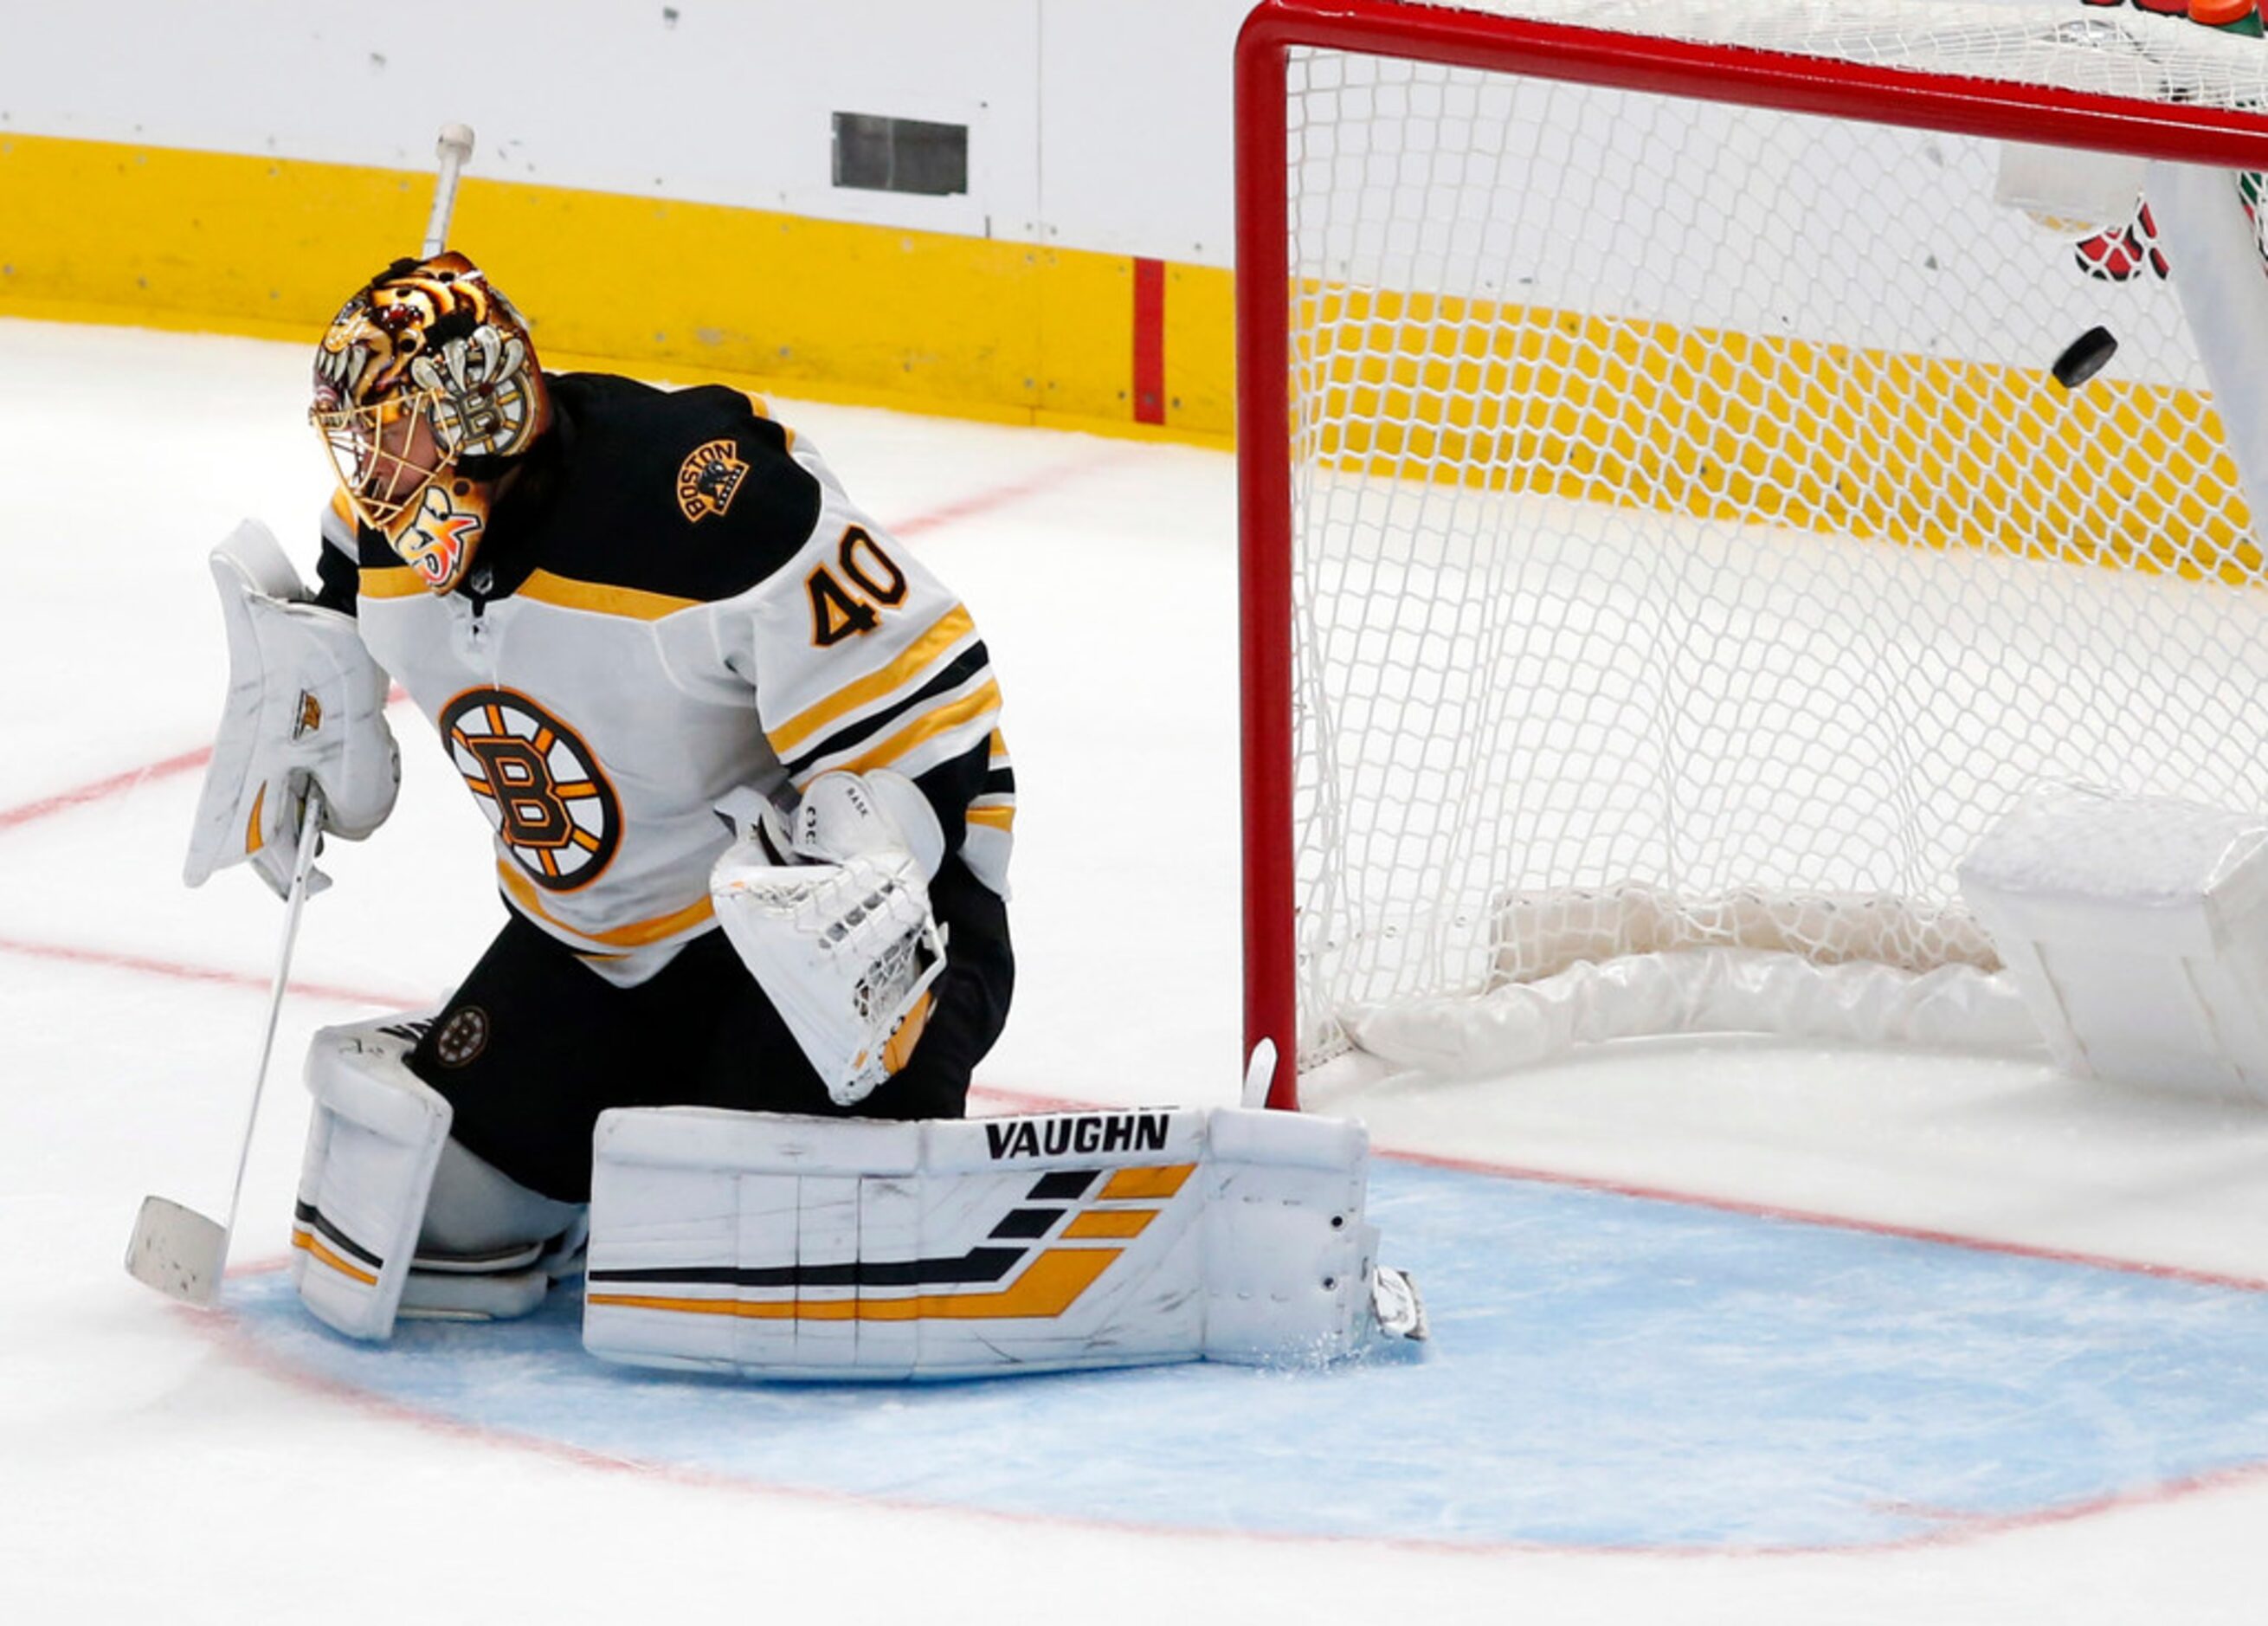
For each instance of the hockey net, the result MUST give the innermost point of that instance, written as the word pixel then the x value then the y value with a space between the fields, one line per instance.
pixel 1677 551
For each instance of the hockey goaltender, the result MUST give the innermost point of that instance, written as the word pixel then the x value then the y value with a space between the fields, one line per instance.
pixel 740 753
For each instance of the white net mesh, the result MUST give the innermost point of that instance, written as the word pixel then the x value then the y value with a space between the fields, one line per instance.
pixel 2106 49
pixel 1692 546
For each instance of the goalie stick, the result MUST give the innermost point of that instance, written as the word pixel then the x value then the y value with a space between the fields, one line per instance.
pixel 174 1249
pixel 454 149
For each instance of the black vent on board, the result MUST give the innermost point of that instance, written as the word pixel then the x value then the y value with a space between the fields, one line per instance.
pixel 876 153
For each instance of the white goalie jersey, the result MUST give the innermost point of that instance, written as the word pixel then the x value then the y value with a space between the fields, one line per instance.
pixel 675 600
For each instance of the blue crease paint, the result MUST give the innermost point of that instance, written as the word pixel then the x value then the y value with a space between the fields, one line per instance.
pixel 1607 1371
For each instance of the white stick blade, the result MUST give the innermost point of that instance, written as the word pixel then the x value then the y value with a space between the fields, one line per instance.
pixel 178 1251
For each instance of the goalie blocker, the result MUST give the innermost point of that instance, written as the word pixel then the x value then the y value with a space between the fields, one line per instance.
pixel 819 1248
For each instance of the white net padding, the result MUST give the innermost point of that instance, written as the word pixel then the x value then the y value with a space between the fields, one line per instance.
pixel 1692 550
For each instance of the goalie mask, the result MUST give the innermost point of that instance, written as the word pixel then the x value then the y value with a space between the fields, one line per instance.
pixel 426 385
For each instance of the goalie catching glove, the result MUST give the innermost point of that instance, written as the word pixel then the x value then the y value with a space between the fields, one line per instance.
pixel 305 705
pixel 828 908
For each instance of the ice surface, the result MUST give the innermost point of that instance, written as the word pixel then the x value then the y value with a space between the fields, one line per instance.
pixel 158 1464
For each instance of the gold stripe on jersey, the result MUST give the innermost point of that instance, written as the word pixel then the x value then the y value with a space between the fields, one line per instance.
pixel 989 821
pixel 632 603
pixel 637 935
pixel 953 713
pixel 341 507
pixel 391 581
pixel 927 649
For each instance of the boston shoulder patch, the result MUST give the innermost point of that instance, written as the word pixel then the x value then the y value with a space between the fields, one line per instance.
pixel 539 783
pixel 709 478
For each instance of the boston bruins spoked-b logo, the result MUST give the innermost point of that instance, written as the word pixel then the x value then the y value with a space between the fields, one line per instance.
pixel 539 783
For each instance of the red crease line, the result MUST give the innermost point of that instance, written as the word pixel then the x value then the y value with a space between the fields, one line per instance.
pixel 95 791
pixel 1832 1222
pixel 181 971
pixel 998 497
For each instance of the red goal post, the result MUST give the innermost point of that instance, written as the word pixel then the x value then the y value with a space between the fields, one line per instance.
pixel 1558 51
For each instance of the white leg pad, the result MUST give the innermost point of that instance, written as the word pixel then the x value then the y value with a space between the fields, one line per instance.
pixel 796 1247
pixel 373 1144
pixel 1288 1254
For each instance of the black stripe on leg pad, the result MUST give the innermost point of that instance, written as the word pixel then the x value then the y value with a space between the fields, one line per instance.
pixel 977 1268
pixel 1027 1223
pixel 308 1215
pixel 1064 1186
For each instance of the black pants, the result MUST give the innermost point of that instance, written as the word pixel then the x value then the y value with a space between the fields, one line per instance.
pixel 534 1045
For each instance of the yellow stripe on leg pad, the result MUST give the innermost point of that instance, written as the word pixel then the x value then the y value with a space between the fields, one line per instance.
pixel 304 1240
pixel 1162 1182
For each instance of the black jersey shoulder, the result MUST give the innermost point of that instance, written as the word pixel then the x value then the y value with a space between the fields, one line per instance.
pixel 688 493
pixel 373 551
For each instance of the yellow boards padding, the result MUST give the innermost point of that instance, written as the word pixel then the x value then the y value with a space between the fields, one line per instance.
pixel 225 242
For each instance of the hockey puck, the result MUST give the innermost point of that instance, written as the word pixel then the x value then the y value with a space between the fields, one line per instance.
pixel 2084 356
